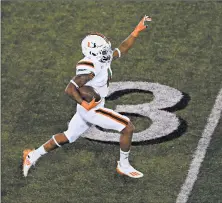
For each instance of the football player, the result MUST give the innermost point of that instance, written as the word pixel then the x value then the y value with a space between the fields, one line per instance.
pixel 94 70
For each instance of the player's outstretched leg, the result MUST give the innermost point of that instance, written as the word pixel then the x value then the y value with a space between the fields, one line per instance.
pixel 123 166
pixel 30 156
pixel 76 127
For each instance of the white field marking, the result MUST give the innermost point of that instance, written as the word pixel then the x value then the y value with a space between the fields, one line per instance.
pixel 163 122
pixel 200 152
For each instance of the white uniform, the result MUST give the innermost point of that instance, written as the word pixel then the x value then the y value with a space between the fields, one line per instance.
pixel 100 70
pixel 100 116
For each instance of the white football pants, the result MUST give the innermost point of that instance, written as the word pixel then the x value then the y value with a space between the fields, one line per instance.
pixel 100 116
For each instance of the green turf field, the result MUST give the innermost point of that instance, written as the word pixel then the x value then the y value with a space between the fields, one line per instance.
pixel 40 46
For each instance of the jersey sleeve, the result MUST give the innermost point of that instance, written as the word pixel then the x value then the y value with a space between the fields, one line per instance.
pixel 85 67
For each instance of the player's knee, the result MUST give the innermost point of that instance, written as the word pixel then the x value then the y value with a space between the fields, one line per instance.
pixel 129 128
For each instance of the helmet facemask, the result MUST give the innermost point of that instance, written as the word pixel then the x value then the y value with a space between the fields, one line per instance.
pixel 105 54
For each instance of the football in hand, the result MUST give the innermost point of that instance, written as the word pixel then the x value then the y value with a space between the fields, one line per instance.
pixel 88 93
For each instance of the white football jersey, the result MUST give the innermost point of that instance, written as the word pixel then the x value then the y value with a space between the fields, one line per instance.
pixel 100 71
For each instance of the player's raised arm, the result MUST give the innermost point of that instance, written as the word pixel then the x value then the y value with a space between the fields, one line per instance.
pixel 129 41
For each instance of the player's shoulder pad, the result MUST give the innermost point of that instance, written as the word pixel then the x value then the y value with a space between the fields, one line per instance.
pixel 85 66
pixel 85 62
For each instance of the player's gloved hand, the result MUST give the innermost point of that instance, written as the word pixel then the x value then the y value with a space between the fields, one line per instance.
pixel 140 27
pixel 89 105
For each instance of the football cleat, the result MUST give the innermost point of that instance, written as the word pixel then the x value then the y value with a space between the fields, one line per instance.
pixel 27 163
pixel 128 171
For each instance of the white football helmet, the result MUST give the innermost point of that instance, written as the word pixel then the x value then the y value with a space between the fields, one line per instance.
pixel 96 45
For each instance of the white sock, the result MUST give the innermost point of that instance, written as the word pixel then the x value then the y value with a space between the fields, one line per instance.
pixel 36 154
pixel 41 151
pixel 124 161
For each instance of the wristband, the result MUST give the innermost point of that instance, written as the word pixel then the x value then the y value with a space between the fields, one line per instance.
pixel 74 83
pixel 119 52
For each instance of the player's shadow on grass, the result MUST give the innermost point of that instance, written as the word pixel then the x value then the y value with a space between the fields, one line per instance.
pixel 182 128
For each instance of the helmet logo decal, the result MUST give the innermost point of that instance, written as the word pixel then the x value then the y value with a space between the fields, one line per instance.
pixel 91 44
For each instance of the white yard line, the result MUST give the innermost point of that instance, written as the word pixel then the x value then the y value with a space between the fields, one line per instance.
pixel 200 152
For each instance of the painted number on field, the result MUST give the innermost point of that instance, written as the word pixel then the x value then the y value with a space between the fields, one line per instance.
pixel 163 122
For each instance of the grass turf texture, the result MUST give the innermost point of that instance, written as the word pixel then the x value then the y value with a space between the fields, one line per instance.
pixel 41 44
